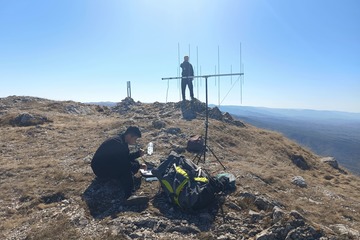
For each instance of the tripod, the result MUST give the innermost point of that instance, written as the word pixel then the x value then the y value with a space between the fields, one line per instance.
pixel 206 147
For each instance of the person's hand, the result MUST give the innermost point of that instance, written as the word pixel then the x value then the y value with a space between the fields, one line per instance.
pixel 143 166
pixel 142 152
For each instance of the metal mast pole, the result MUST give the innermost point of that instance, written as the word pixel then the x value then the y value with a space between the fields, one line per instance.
pixel 178 67
pixel 206 115
pixel 241 80
pixel 197 71
pixel 219 76
pixel 128 89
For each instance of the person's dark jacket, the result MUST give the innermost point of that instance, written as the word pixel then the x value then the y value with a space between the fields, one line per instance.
pixel 187 69
pixel 114 160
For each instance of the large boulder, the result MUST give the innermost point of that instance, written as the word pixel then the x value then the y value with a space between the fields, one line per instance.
pixel 215 113
pixel 27 119
pixel 331 161
pixel 124 106
pixel 300 162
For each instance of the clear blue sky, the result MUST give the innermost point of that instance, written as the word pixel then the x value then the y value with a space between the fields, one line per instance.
pixel 296 54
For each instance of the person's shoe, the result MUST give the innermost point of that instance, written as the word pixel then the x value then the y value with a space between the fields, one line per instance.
pixel 136 200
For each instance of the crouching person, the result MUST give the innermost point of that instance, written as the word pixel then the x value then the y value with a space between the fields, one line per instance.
pixel 113 160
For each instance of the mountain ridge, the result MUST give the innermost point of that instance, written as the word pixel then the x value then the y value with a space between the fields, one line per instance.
pixel 327 133
pixel 333 133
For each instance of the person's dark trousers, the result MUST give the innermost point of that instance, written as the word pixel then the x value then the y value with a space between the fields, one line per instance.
pixel 184 82
pixel 127 179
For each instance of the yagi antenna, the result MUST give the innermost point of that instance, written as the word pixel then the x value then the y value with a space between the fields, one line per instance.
pixel 241 78
pixel 206 147
pixel 217 73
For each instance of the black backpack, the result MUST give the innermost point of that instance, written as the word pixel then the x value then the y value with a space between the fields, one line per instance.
pixel 187 185
pixel 195 144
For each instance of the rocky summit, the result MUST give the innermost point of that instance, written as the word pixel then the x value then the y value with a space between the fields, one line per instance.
pixel 48 190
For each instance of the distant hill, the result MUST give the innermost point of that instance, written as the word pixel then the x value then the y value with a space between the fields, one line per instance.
pixel 107 104
pixel 327 133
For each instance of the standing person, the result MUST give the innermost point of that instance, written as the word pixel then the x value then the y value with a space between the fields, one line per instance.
pixel 113 159
pixel 187 74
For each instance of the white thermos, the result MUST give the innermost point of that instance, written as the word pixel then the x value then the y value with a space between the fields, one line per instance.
pixel 150 148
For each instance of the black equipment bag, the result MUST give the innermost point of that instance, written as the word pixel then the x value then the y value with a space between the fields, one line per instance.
pixel 195 144
pixel 187 185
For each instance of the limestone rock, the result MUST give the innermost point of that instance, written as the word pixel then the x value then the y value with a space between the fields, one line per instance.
pixel 331 161
pixel 345 231
pixel 299 181
pixel 300 162
pixel 158 124
pixel 27 119
pixel 277 214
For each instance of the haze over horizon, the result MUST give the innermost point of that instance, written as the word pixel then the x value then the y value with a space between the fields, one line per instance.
pixel 296 55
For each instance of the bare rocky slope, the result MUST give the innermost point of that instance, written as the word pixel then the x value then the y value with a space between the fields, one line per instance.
pixel 48 190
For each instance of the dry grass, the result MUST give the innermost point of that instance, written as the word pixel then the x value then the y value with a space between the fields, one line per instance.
pixel 52 160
